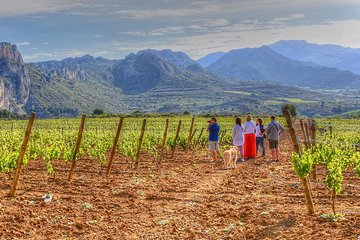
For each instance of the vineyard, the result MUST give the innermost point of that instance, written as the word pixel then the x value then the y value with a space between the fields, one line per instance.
pixel 135 178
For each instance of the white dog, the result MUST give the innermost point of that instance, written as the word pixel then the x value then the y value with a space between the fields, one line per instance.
pixel 230 157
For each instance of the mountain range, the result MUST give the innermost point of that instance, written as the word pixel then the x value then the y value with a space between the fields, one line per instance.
pixel 252 79
pixel 347 59
pixel 265 64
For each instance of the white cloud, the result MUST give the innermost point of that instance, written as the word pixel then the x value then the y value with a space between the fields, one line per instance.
pixel 171 12
pixel 22 44
pixel 98 36
pixel 289 17
pixel 236 36
pixel 209 25
pixel 22 7
pixel 36 56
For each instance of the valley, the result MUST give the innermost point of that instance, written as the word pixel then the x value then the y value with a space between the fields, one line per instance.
pixel 257 80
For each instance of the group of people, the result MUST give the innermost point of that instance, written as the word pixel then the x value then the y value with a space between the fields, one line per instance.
pixel 248 138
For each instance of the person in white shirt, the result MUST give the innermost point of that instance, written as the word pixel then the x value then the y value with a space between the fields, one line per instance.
pixel 250 137
pixel 238 137
pixel 260 136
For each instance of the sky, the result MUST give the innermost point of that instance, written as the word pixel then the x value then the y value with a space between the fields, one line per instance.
pixel 56 29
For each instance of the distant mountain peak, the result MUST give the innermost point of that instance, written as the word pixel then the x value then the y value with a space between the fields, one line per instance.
pixel 210 58
pixel 177 58
pixel 328 55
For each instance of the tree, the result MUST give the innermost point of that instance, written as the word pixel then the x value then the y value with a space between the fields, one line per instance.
pixel 186 113
pixel 291 107
pixel 98 111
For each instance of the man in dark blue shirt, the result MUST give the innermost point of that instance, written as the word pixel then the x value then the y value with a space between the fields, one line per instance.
pixel 214 130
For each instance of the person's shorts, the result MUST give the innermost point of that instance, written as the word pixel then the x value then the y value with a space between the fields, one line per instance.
pixel 213 146
pixel 274 144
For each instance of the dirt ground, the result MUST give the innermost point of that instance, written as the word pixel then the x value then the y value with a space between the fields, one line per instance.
pixel 187 198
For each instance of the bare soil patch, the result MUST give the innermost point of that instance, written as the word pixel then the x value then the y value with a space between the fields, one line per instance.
pixel 187 198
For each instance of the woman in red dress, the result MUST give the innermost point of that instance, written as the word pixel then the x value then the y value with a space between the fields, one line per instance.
pixel 250 138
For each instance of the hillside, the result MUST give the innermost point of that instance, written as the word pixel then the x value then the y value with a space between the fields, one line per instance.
pixel 156 81
pixel 265 64
pixel 149 81
pixel 146 70
pixel 210 58
pixel 328 55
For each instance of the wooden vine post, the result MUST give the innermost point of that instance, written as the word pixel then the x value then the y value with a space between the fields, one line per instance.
pixel 190 135
pixel 138 151
pixel 199 138
pixel 114 147
pixel 163 142
pixel 307 128
pixel 312 123
pixel 77 146
pixel 306 140
pixel 297 147
pixel 222 136
pixel 331 131
pixel 22 154
pixel 175 140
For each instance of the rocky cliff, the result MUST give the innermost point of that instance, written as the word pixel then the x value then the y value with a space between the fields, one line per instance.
pixel 14 80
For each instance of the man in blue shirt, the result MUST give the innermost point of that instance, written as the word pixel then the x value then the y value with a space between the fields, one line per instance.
pixel 273 131
pixel 214 130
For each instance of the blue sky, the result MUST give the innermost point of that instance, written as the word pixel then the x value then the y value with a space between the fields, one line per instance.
pixel 46 29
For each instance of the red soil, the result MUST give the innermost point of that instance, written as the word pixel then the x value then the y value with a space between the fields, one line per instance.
pixel 187 198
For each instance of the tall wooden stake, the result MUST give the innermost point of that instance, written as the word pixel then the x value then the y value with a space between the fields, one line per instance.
pixel 193 134
pixel 222 136
pixel 199 138
pixel 175 140
pixel 190 134
pixel 307 129
pixel 304 181
pixel 313 144
pixel 77 147
pixel 22 154
pixel 163 141
pixel 113 150
pixel 331 131
pixel 302 125
pixel 140 143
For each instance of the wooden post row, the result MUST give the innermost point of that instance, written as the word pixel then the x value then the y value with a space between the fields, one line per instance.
pixel 137 157
pixel 175 140
pixel 297 147
pixel 21 155
pixel 77 146
pixel 163 142
pixel 190 134
pixel 113 150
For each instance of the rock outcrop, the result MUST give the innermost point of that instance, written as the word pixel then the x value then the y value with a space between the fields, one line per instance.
pixel 14 80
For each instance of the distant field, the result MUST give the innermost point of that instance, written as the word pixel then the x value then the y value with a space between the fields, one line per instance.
pixel 242 93
pixel 298 100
